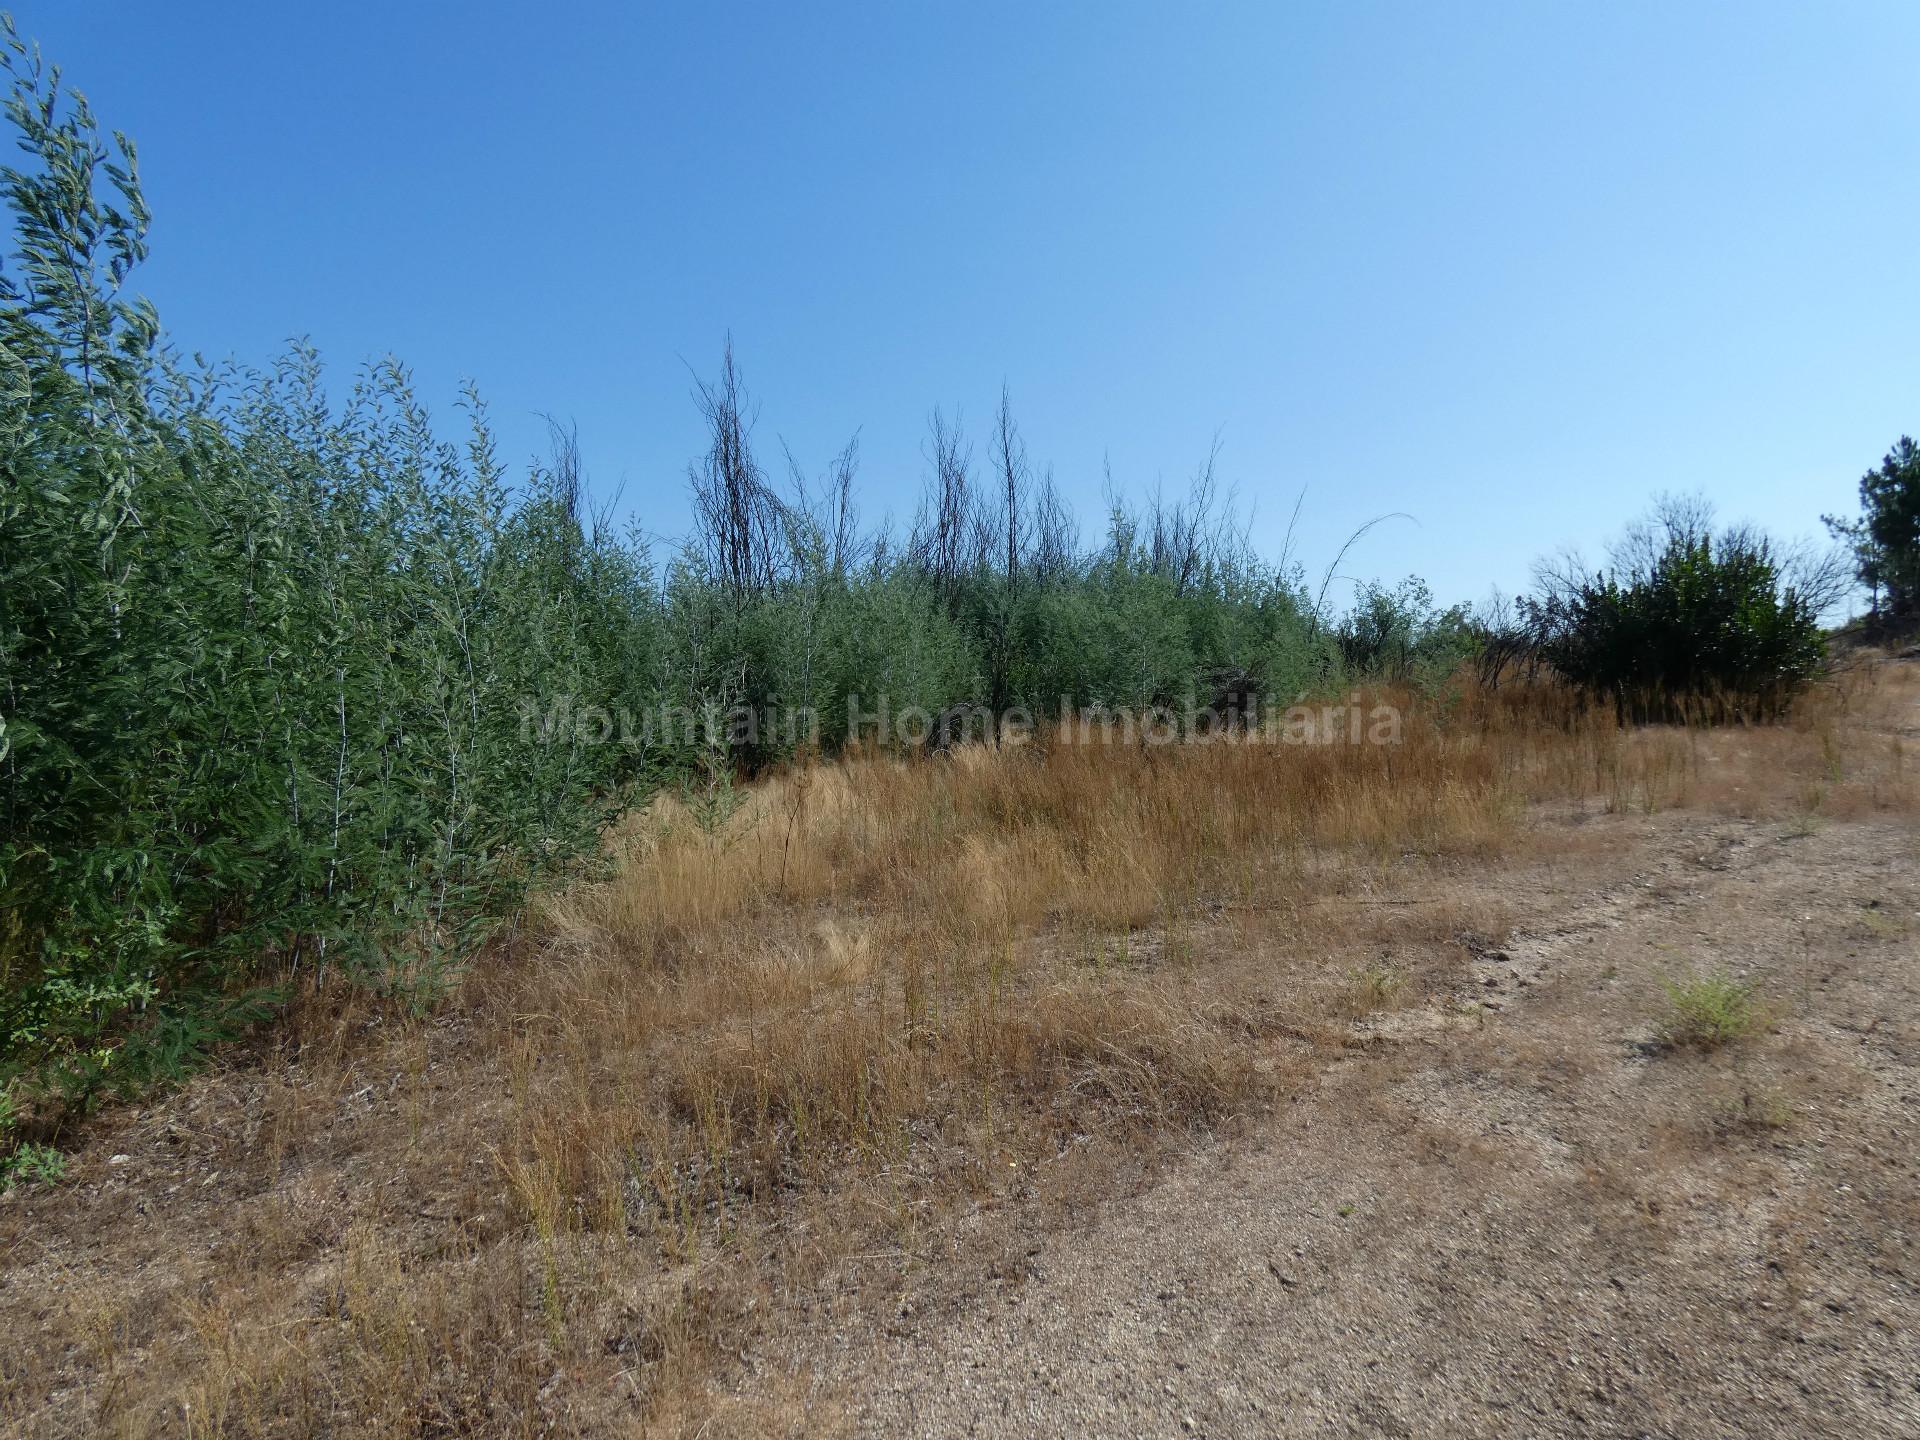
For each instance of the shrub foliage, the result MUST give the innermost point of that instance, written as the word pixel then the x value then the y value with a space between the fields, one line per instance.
pixel 1689 624
pixel 259 655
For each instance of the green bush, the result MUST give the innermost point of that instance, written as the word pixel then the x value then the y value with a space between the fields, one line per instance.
pixel 1709 1011
pixel 259 659
pixel 1699 626
pixel 1400 634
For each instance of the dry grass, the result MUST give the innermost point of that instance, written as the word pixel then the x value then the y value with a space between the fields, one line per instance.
pixel 879 996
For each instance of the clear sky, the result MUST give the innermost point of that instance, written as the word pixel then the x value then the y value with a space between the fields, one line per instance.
pixel 1511 268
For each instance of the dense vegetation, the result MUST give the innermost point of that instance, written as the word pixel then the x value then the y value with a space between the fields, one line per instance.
pixel 270 662
pixel 260 656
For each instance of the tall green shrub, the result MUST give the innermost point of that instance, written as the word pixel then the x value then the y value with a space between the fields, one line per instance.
pixel 1708 626
pixel 260 658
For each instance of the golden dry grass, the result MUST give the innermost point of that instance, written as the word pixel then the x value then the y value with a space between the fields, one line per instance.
pixel 880 995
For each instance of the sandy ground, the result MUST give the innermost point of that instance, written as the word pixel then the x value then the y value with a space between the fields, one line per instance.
pixel 1507 1211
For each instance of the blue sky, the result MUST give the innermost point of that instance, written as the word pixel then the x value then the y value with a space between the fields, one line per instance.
pixel 1511 268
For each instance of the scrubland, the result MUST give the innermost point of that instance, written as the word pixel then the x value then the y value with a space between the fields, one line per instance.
pixel 387 1048
pixel 798 1042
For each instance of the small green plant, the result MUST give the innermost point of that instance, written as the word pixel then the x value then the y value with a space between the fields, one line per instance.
pixel 1881 925
pixel 29 1164
pixel 1807 820
pixel 1709 1011
pixel 1373 986
pixel 709 795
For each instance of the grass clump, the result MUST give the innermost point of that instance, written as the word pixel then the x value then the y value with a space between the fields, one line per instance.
pixel 1374 986
pixel 1709 1011
pixel 1757 1111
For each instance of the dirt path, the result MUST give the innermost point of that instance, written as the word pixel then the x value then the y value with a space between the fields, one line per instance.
pixel 1518 1220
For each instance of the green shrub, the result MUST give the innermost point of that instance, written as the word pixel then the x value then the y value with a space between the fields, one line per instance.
pixel 1698 626
pixel 1709 1011
pixel 259 659
pixel 32 1164
pixel 1400 634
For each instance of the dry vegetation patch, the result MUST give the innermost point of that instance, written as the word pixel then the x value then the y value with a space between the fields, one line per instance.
pixel 834 1019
